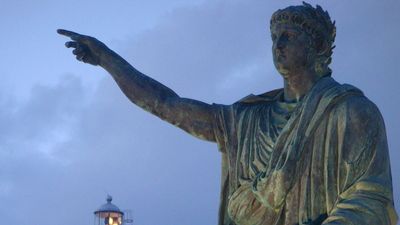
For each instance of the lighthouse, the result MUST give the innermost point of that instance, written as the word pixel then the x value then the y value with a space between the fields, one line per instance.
pixel 109 214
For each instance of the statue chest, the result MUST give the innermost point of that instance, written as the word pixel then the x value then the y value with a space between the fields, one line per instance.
pixel 258 129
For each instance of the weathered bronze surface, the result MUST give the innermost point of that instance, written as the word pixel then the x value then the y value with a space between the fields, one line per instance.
pixel 314 152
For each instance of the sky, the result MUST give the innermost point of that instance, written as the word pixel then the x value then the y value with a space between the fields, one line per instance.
pixel 69 137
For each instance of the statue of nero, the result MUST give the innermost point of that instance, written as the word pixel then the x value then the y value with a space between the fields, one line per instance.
pixel 313 152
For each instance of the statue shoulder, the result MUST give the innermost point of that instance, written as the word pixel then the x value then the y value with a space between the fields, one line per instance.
pixel 265 97
pixel 361 124
pixel 359 108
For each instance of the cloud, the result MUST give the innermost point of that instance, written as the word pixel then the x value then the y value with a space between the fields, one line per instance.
pixel 31 133
pixel 44 120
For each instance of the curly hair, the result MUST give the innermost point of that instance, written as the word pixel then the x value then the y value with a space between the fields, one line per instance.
pixel 317 24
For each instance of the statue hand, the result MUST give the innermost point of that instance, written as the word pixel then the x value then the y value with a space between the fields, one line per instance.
pixel 87 49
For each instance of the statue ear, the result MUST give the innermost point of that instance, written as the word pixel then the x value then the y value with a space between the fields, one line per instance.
pixel 319 67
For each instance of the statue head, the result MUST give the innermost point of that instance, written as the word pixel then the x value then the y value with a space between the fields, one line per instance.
pixel 303 36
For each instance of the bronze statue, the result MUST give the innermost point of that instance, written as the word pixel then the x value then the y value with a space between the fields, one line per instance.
pixel 314 152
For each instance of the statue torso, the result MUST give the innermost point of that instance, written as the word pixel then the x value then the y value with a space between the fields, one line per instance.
pixel 259 130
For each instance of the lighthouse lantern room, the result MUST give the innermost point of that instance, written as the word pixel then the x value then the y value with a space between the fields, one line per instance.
pixel 108 214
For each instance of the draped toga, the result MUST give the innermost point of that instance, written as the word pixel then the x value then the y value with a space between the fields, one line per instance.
pixel 323 160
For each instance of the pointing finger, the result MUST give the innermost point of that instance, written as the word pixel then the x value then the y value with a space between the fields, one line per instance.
pixel 74 36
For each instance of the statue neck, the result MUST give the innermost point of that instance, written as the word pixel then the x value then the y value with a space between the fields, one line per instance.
pixel 298 85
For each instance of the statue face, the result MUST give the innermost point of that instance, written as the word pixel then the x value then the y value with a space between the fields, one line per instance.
pixel 291 49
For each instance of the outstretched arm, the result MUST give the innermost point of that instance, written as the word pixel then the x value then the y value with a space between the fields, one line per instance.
pixel 193 116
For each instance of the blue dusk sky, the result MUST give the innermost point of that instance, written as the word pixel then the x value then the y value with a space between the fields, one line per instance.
pixel 68 136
